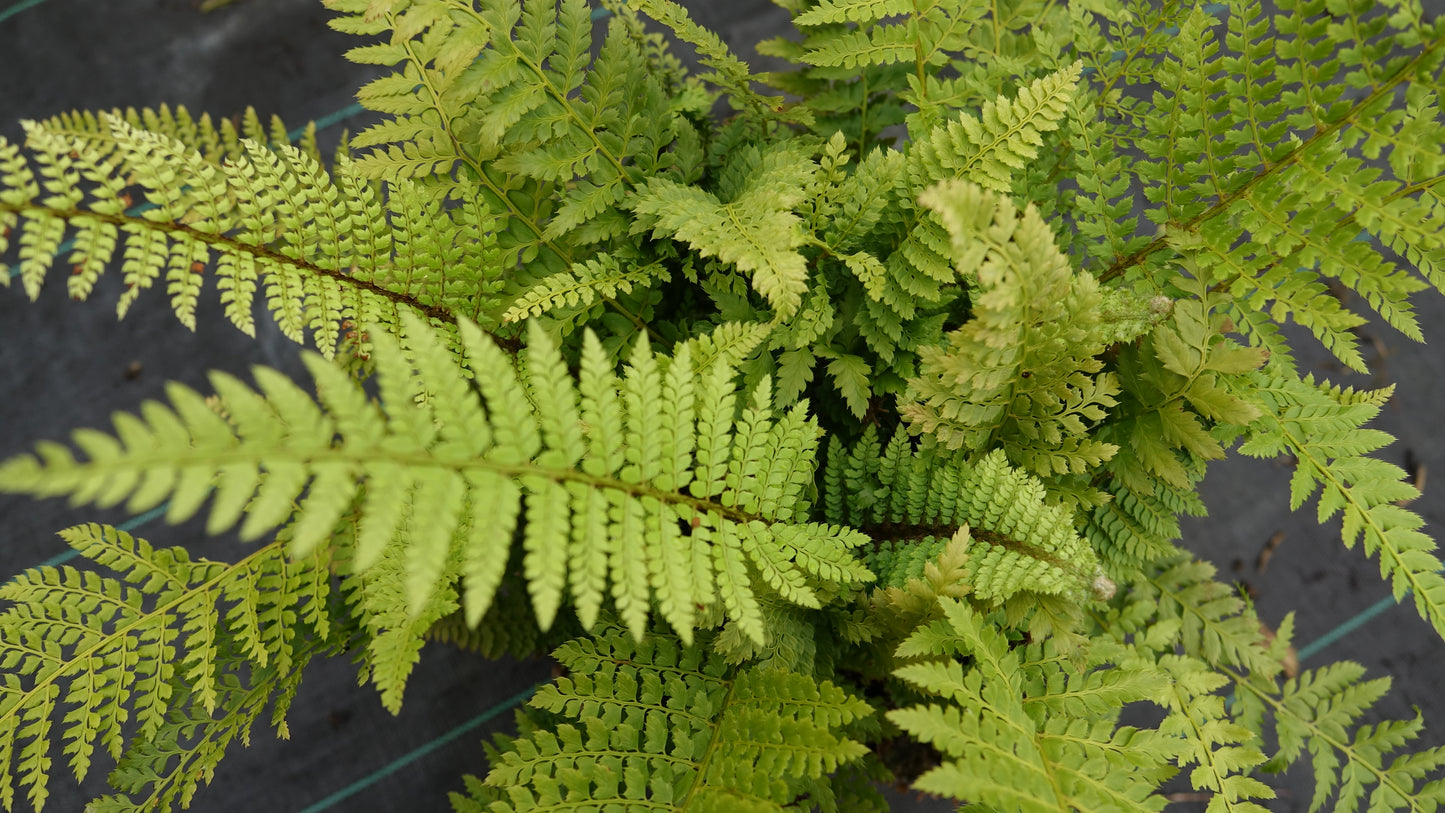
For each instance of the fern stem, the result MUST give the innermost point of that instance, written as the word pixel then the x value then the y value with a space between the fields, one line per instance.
pixel 712 745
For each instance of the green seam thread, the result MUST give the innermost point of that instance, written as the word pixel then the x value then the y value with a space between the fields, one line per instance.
pixel 417 753
pixel 1355 622
pixel 17 8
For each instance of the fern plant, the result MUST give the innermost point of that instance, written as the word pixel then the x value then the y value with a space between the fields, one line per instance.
pixel 801 416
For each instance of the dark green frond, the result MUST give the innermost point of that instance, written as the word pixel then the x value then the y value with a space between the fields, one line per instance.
pixel 658 725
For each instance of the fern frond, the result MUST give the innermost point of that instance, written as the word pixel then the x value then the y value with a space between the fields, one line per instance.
pixel 112 652
pixel 1269 198
pixel 1223 751
pixel 729 73
pixel 750 224
pixel 578 288
pixel 1226 646
pixel 1325 437
pixel 166 769
pixel 982 150
pixel 650 483
pixel 217 142
pixel 507 98
pixel 997 753
pixel 1317 710
pixel 1023 373
pixel 324 248
pixel 991 149
pixel 1019 541
pixel 663 726
pixel 1215 624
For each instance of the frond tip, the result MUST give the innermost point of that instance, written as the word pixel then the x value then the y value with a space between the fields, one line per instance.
pixel 649 482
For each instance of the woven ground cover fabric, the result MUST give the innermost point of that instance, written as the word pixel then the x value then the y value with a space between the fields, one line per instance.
pixel 65 364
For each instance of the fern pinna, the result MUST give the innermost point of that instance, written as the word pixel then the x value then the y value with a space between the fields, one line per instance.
pixel 908 412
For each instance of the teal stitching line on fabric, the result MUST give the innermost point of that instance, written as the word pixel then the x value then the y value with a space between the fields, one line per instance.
pixel 417 753
pixel 1354 623
pixel 127 526
pixel 17 8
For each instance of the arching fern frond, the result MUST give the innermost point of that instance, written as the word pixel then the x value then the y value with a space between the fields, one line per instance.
pixel 729 73
pixel 129 656
pixel 1269 198
pixel 164 770
pixel 1322 430
pixel 323 249
pixel 216 141
pixel 660 726
pixel 986 150
pixel 1224 752
pixel 1319 711
pixel 576 290
pixel 506 98
pixel 650 484
pixel 749 223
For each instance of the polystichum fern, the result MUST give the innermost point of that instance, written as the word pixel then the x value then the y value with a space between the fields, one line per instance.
pixel 929 238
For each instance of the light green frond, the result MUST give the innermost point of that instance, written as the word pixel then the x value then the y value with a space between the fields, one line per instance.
pixel 577 289
pixel 216 141
pixel 730 74
pixel 164 770
pixel 854 11
pixel 1326 438
pixel 1320 711
pixel 396 630
pixel 921 272
pixel 675 482
pixel 125 657
pixel 998 754
pixel 1269 196
pixel 1215 623
pixel 323 248
pixel 506 101
pixel 1022 374
pixel 991 149
pixel 1224 753
pixel 751 226
pixel 659 725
